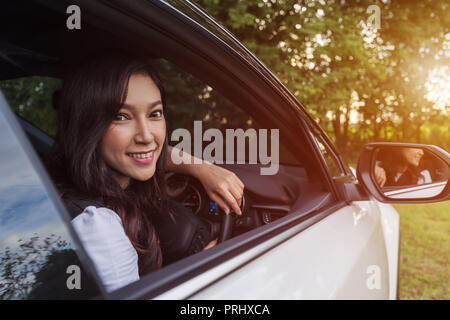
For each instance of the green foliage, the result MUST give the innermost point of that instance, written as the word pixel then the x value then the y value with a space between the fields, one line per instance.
pixel 188 99
pixel 324 55
pixel 31 99
pixel 360 84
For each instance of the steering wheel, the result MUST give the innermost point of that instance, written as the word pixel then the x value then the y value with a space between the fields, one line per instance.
pixel 226 227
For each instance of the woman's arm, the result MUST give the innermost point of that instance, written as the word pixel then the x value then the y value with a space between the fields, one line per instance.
pixel 426 177
pixel 221 185
pixel 380 175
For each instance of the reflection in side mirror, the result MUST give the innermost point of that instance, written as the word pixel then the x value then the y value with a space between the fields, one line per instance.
pixel 408 172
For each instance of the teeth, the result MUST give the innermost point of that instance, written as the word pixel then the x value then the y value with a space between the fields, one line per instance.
pixel 141 155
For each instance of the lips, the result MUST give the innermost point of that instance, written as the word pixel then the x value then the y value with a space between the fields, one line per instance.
pixel 142 157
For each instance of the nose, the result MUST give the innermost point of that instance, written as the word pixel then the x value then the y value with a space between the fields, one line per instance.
pixel 143 134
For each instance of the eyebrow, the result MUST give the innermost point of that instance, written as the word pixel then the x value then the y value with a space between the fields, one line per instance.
pixel 151 105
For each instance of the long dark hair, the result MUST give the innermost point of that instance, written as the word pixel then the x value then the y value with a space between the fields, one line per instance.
pixel 393 162
pixel 93 92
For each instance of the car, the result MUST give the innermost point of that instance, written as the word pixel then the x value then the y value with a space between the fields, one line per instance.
pixel 310 228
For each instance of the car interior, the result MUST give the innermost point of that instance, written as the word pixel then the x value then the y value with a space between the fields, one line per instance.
pixel 297 187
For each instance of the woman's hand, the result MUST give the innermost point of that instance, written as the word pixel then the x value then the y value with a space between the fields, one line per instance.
pixel 221 185
pixel 380 175
pixel 211 244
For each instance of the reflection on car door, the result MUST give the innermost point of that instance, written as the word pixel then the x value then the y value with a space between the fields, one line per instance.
pixel 37 250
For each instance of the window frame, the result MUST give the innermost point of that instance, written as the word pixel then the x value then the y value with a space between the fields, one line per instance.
pixel 332 155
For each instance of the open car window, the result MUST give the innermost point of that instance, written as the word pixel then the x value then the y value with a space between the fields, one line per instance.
pixel 195 106
pixel 31 99
pixel 198 100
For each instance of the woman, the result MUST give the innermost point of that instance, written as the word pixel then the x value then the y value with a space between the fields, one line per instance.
pixel 109 159
pixel 401 167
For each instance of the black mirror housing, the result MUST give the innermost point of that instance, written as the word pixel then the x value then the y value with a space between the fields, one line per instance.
pixel 404 172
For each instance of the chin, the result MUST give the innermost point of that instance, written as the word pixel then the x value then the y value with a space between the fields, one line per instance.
pixel 144 177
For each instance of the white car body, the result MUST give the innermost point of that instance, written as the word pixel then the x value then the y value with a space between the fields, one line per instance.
pixel 356 260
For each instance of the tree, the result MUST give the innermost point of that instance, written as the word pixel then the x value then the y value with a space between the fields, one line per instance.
pixel 31 99
pixel 360 83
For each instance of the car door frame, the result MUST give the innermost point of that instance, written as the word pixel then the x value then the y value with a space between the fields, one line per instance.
pixel 242 75
pixel 216 54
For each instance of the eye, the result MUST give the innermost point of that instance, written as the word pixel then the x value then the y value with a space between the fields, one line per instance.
pixel 156 114
pixel 120 117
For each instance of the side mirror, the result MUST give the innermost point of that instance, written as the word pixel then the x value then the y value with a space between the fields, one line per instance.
pixel 404 172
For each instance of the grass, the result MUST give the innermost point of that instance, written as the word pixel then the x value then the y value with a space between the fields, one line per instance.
pixel 424 251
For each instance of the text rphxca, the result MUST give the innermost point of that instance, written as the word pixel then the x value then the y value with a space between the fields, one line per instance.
pixel 237 309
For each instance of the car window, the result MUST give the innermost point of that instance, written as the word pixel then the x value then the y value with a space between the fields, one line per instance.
pixel 194 105
pixel 39 258
pixel 190 103
pixel 31 98
pixel 331 161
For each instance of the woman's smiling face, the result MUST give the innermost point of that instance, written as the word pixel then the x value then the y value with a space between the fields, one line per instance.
pixel 133 142
pixel 413 156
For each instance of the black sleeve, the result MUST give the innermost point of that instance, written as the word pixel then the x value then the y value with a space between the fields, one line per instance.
pixel 182 236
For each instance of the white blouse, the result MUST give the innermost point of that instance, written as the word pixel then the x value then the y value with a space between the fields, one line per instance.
pixel 104 239
pixel 426 177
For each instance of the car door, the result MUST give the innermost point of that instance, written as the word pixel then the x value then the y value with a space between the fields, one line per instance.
pixel 40 257
pixel 341 256
pixel 324 247
pixel 332 251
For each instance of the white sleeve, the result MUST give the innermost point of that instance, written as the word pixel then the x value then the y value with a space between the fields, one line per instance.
pixel 427 176
pixel 103 237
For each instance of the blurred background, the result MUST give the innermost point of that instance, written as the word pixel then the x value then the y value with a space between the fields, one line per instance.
pixel 367 71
